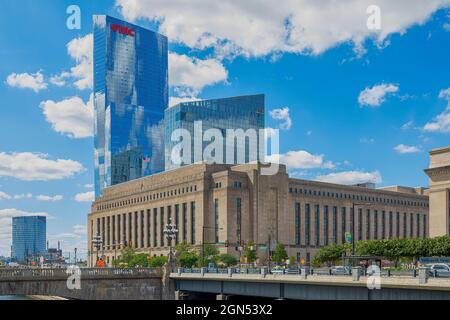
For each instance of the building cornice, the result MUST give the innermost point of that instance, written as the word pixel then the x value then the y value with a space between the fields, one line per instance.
pixel 438 171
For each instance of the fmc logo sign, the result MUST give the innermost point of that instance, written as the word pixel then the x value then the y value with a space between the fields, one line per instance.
pixel 123 30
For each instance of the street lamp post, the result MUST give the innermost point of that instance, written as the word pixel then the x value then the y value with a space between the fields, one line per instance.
pixel 97 243
pixel 203 239
pixel 171 232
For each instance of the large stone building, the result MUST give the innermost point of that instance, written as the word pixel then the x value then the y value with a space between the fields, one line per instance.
pixel 439 174
pixel 214 203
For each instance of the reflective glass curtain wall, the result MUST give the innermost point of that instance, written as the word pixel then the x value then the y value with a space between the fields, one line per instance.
pixel 28 238
pixel 130 95
pixel 243 112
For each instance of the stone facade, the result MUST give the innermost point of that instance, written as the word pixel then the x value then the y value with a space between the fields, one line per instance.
pixel 220 204
pixel 439 181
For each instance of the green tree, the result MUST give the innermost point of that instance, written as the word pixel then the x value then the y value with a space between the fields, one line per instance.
pixel 208 255
pixel 182 247
pixel 250 252
pixel 280 253
pixel 329 254
pixel 188 259
pixel 157 261
pixel 127 254
pixel 139 260
pixel 227 260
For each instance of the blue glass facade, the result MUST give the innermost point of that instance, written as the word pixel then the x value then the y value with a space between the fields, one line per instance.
pixel 130 95
pixel 28 238
pixel 244 112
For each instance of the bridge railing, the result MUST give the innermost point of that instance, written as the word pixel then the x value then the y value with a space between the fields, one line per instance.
pixel 296 271
pixel 49 273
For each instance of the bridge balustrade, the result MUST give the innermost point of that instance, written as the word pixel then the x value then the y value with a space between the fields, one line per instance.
pixel 33 273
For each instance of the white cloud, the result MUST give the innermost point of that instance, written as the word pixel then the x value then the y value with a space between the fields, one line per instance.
pixel 4 196
pixel 36 166
pixel 79 229
pixel 191 75
pixel 88 185
pixel 263 27
pixel 6 216
pixel 283 115
pixel 302 160
pixel 375 96
pixel 42 197
pixel 351 177
pixel 402 148
pixel 23 196
pixel 367 140
pixel 85 197
pixel 81 50
pixel 34 81
pixel 445 94
pixel 441 123
pixel 71 116
pixel 408 125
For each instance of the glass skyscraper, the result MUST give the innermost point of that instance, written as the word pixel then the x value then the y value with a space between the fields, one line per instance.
pixel 28 238
pixel 130 95
pixel 243 112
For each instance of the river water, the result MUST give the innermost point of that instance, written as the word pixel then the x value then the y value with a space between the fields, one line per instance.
pixel 14 298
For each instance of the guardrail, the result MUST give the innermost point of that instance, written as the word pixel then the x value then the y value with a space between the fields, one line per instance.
pixel 414 273
pixel 63 273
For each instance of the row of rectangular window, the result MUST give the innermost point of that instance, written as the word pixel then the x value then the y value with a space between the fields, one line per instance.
pixel 386 229
pixel 123 223
pixel 149 197
pixel 357 197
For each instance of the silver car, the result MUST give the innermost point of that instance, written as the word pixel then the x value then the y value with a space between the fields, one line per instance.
pixel 441 270
pixel 340 270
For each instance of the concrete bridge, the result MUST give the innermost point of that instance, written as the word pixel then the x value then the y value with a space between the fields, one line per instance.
pixel 224 285
pixel 95 283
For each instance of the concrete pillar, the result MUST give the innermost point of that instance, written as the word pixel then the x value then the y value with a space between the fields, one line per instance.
pixel 180 295
pixel 222 297
pixel 229 272
pixel 179 271
pixel 152 227
pixel 423 275
pixel 203 271
pixel 264 271
pixel 356 273
pixel 146 231
pixel 304 273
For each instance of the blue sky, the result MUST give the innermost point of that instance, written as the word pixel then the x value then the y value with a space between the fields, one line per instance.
pixel 354 104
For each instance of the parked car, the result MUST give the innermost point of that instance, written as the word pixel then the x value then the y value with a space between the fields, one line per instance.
pixel 440 270
pixel 341 270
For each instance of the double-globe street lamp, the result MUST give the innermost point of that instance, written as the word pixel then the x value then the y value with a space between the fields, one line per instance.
pixel 97 243
pixel 170 232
